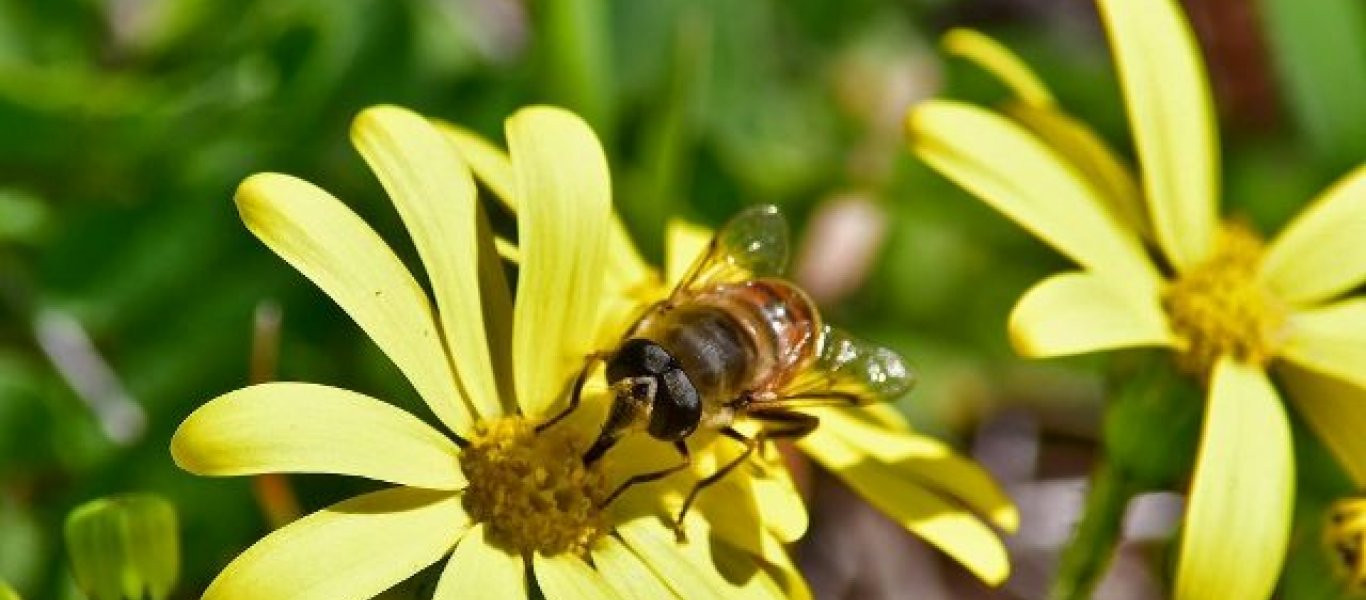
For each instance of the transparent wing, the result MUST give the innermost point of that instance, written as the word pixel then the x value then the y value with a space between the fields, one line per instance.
pixel 848 370
pixel 751 245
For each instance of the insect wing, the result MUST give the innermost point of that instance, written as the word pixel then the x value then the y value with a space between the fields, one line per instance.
pixel 753 244
pixel 848 370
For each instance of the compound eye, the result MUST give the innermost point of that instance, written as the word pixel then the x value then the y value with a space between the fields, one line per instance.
pixel 656 359
pixel 677 409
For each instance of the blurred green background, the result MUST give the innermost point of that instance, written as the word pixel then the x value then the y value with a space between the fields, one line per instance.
pixel 128 287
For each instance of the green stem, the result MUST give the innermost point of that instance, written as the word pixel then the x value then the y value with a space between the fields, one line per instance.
pixel 1088 553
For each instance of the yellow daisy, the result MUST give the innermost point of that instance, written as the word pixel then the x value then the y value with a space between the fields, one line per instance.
pixel 494 495
pixel 1158 268
pixel 490 493
pixel 916 480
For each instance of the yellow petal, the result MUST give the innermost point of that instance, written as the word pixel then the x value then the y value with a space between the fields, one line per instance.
pixel 914 458
pixel 565 203
pixel 1330 340
pixel 1238 514
pixel 751 580
pixel 1037 111
pixel 626 270
pixel 307 428
pixel 785 574
pixel 625 572
pixel 508 250
pixel 351 550
pixel 999 61
pixel 477 568
pixel 1336 411
pixel 1172 119
pixel 435 195
pixel 940 521
pixel 1320 254
pixel 756 502
pixel 1079 145
pixel 684 244
pixel 488 162
pixel 631 286
pixel 687 568
pixel 566 577
pixel 321 238
pixel 1010 169
pixel 1078 312
pixel 780 505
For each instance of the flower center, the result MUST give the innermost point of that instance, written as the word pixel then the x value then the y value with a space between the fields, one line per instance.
pixel 1218 308
pixel 532 489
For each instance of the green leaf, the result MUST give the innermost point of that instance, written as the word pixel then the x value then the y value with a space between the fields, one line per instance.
pixel 1319 49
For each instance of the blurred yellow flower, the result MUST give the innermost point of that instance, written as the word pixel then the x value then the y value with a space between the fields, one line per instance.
pixel 491 493
pixel 1158 268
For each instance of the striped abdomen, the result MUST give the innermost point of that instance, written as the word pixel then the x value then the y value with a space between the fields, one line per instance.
pixel 739 337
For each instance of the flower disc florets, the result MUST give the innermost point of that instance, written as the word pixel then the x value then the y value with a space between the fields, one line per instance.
pixel 532 489
pixel 1219 308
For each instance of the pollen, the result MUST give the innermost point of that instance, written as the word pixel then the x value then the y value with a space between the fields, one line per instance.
pixel 532 489
pixel 1219 308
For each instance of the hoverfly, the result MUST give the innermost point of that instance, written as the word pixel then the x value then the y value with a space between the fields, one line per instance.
pixel 733 340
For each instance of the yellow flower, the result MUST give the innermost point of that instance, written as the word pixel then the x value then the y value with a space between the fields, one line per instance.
pixel 491 493
pixel 1159 269
pixel 916 480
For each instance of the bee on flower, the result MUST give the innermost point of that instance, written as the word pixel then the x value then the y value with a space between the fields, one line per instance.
pixel 1159 268
pixel 503 490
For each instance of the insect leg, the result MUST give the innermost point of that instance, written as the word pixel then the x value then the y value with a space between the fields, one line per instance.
pixel 750 445
pixel 784 424
pixel 653 475
pixel 577 391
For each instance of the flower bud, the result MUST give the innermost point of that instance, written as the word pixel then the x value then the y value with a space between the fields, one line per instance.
pixel 124 547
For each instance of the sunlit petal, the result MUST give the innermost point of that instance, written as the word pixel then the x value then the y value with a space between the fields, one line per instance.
pixel 352 550
pixel 626 573
pixel 1320 254
pixel 631 286
pixel 329 244
pixel 307 428
pixel 1330 340
pixel 565 195
pixel 1238 514
pixel 687 568
pixel 1030 183
pixel 1079 145
pixel 915 458
pixel 567 577
pixel 684 243
pixel 1336 411
pixel 476 567
pixel 488 162
pixel 998 60
pixel 1079 312
pixel 1172 119
pixel 434 193
pixel 940 521
pixel 1036 109
pixel 627 273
